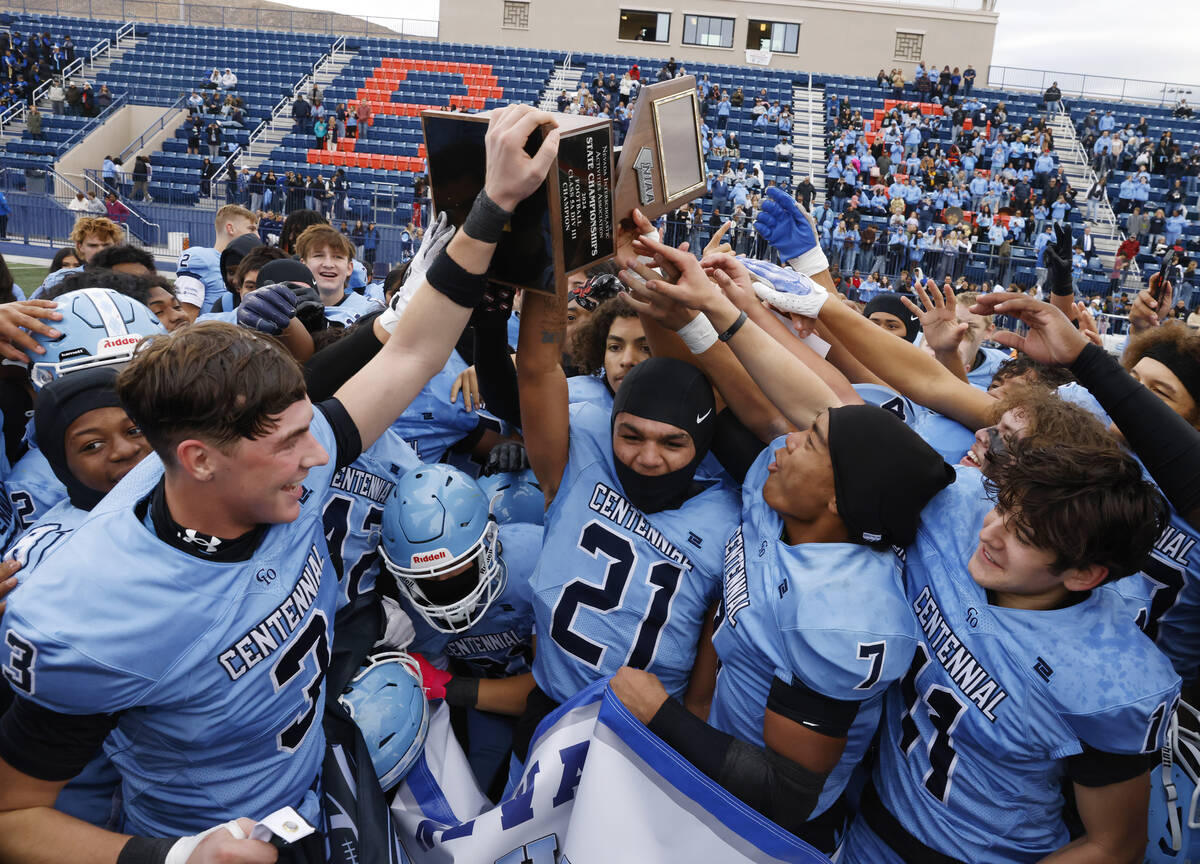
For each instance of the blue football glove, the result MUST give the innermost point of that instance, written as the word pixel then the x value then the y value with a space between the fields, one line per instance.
pixel 268 310
pixel 786 290
pixel 785 225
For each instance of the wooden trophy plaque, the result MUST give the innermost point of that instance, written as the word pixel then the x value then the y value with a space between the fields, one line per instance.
pixel 661 165
pixel 567 225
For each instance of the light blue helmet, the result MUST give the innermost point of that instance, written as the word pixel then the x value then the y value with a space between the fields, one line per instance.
pixel 386 701
pixel 100 327
pixel 436 522
pixel 1174 820
pixel 514 497
pixel 358 276
pixel 889 400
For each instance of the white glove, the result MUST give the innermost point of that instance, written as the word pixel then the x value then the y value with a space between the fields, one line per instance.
pixel 437 238
pixel 398 632
pixel 185 846
pixel 786 290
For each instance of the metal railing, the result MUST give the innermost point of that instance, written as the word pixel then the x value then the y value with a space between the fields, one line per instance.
pixel 126 30
pixel 13 114
pixel 226 17
pixel 1104 87
pixel 148 232
pixel 155 127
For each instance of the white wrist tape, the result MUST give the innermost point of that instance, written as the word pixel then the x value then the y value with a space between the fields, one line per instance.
pixel 185 846
pixel 698 334
pixel 811 262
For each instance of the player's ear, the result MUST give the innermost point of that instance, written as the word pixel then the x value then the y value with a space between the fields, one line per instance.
pixel 195 458
pixel 1085 578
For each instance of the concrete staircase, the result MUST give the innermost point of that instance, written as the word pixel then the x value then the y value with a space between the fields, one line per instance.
pixel 1076 167
pixel 808 137
pixel 564 80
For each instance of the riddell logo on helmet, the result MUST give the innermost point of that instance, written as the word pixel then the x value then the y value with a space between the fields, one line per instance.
pixel 110 342
pixel 431 557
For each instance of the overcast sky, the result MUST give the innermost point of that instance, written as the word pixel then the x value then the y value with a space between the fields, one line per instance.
pixel 1155 39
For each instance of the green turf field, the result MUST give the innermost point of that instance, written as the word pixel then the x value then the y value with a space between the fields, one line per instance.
pixel 28 276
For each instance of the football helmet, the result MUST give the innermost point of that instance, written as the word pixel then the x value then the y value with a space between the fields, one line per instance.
pixel 514 497
pixel 387 702
pixel 1174 821
pixel 436 522
pixel 100 327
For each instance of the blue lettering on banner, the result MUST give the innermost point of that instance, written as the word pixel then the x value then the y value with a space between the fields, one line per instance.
pixel 518 809
pixel 572 759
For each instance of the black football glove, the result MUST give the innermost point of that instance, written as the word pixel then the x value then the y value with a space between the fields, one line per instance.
pixel 1058 263
pixel 506 458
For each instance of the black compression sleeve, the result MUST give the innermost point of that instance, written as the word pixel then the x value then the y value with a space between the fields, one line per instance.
pixel 735 446
pixel 1167 445
pixel 145 850
pixel 48 745
pixel 331 367
pixel 345 433
pixel 776 787
pixel 797 701
pixel 1097 768
pixel 496 373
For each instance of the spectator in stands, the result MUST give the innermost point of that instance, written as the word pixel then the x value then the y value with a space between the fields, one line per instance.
pixel 78 204
pixel 723 109
pixel 115 210
pixel 1173 227
pixel 103 99
pixel 228 81
pixel 968 82
pixel 363 114
pixel 1052 98
pixel 1183 109
pixel 207 170
pixel 5 212
pixel 194 102
pixel 1156 228
pixel 95 206
pixel 214 79
pixel 193 127
pixel 301 112
pixel 33 122
pixel 141 177
pixel 57 95
pixel 319 130
pixel 213 135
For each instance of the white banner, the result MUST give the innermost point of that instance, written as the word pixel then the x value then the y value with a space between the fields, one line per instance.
pixel 598 787
pixel 758 56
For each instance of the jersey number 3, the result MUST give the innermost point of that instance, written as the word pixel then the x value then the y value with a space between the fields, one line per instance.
pixel 663 576
pixel 19 670
pixel 311 640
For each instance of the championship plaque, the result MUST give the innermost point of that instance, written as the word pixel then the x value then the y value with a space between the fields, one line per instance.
pixel 662 161
pixel 567 225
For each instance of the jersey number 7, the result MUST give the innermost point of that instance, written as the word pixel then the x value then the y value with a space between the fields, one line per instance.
pixel 597 540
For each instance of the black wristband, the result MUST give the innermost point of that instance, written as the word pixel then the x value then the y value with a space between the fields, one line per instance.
pixel 462 692
pixel 145 850
pixel 447 277
pixel 486 220
pixel 733 328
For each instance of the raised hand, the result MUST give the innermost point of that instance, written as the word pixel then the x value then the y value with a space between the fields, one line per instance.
pixel 734 279
pixel 716 244
pixel 268 309
pixel 655 305
pixel 786 290
pixel 20 319
pixel 436 238
pixel 939 321
pixel 512 174
pixel 1144 313
pixel 1051 338
pixel 1057 258
pixel 784 224
pixel 1087 324
pixel 692 287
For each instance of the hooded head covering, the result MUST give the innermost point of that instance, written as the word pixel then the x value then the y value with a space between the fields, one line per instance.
pixel 883 473
pixel 670 391
pixel 890 303
pixel 59 404
pixel 233 254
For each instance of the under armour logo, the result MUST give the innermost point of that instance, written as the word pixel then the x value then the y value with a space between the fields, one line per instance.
pixel 207 543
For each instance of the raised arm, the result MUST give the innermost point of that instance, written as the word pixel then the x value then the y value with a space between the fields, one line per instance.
pixel 427 331
pixel 794 388
pixel 542 386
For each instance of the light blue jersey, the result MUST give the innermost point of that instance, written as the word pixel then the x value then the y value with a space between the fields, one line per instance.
pixel 889 400
pixel 590 388
pixel 981 375
pixel 350 308
pixel 829 616
pixel 202 263
pixel 614 587
pixel 92 795
pixel 229 316
pixel 215 670
pixel 431 423
pixel 948 437
pixel 500 644
pixel 354 511
pixel 973 740
pixel 33 488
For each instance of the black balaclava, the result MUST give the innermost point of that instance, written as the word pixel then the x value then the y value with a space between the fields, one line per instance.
pixel 668 391
pixel 59 404
pixel 890 303
pixel 883 474
pixel 232 255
